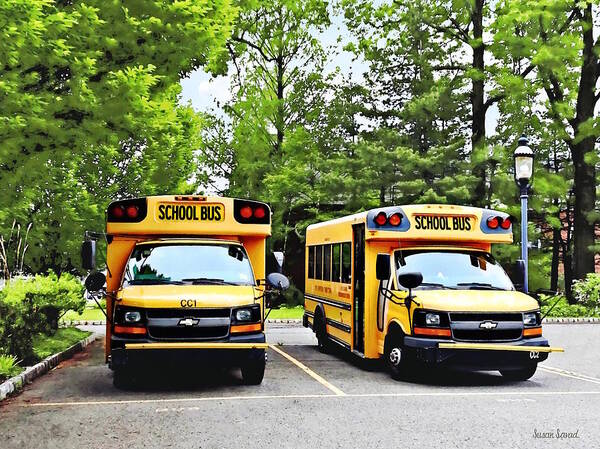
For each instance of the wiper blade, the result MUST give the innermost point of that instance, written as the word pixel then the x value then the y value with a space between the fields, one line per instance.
pixel 478 285
pixel 153 282
pixel 207 281
pixel 435 284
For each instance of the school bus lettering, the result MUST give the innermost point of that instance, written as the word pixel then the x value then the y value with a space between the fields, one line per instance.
pixel 188 303
pixel 190 212
pixel 442 223
pixel 422 288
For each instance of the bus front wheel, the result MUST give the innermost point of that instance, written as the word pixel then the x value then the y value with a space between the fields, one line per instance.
pixel 397 359
pixel 253 371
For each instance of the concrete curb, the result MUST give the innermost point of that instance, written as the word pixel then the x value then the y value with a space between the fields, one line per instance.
pixel 567 320
pixel 16 383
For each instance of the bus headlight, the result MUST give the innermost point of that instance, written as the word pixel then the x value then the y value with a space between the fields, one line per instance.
pixel 133 316
pixel 530 319
pixel 243 315
pixel 432 319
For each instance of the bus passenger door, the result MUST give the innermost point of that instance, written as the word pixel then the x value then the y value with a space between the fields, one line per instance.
pixel 358 277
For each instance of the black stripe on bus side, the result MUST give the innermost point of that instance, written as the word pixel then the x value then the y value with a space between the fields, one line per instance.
pixel 310 314
pixel 338 341
pixel 339 325
pixel 331 302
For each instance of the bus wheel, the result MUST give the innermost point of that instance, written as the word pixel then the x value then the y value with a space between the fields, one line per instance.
pixel 253 371
pixel 321 332
pixel 396 358
pixel 519 374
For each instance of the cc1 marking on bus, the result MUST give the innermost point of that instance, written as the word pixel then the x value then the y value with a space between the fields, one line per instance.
pixel 188 303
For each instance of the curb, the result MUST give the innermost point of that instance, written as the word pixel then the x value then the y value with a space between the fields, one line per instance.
pixel 567 320
pixel 16 383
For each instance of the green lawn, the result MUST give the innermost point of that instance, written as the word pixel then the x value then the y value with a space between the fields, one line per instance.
pixel 46 345
pixel 287 313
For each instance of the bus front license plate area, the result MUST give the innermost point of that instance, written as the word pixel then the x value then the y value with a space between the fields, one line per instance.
pixel 203 212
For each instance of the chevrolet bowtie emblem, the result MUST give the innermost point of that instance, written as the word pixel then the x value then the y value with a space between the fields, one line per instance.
pixel 188 322
pixel 488 325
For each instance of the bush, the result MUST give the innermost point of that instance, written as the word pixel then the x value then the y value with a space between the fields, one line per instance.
pixel 587 291
pixel 32 306
pixel 8 367
pixel 293 297
pixel 564 309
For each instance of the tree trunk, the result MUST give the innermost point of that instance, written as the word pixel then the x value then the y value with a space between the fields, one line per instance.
pixel 585 173
pixel 555 259
pixel 477 103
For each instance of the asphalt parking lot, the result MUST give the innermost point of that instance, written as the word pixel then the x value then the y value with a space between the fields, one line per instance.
pixel 309 399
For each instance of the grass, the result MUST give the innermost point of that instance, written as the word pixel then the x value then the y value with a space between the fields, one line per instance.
pixel 287 313
pixel 46 345
pixel 8 367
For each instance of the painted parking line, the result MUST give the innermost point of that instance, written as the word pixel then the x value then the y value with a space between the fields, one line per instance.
pixel 453 394
pixel 570 374
pixel 308 371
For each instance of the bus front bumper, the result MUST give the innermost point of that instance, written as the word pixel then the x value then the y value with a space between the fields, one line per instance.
pixel 480 356
pixel 235 351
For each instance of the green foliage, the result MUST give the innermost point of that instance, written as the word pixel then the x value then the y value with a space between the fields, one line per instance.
pixel 587 292
pixel 564 309
pixel 32 306
pixel 47 345
pixel 90 110
pixel 8 367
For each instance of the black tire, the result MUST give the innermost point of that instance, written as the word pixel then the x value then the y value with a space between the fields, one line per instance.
pixel 123 379
pixel 321 332
pixel 399 361
pixel 253 371
pixel 519 374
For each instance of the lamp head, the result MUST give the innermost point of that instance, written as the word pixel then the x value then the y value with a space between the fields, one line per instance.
pixel 523 162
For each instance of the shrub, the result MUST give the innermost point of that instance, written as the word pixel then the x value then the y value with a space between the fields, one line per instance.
pixel 8 367
pixel 31 306
pixel 562 308
pixel 587 291
pixel 293 296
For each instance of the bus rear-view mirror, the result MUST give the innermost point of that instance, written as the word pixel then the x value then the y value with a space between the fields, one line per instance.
pixel 95 281
pixel 278 281
pixel 410 280
pixel 383 267
pixel 88 254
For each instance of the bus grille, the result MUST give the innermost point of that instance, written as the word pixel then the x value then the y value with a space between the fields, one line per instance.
pixel 466 326
pixel 188 324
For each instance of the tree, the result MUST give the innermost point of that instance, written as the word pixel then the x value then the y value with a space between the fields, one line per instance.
pixel 89 109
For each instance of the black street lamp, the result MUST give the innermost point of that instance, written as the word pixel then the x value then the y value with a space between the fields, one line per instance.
pixel 523 174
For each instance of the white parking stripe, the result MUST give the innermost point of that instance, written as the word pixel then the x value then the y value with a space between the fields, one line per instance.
pixel 456 394
pixel 571 374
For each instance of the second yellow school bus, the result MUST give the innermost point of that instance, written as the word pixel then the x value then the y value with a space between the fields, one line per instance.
pixel 417 284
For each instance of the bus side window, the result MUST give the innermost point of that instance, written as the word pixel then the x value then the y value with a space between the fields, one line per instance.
pixel 336 263
pixel 311 262
pixel 327 263
pixel 346 262
pixel 319 262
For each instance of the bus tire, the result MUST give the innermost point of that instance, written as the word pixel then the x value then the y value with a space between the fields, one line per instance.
pixel 519 374
pixel 321 331
pixel 253 371
pixel 397 359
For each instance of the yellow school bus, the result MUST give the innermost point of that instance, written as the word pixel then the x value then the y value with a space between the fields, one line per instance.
pixel 185 280
pixel 418 286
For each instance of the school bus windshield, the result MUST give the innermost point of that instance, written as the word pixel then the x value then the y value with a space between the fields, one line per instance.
pixel 457 270
pixel 197 264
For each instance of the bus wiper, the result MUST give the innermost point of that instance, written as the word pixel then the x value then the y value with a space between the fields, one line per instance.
pixel 207 281
pixel 435 284
pixel 478 285
pixel 153 281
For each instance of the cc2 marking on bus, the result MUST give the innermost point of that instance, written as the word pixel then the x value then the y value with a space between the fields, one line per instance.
pixel 534 354
pixel 188 303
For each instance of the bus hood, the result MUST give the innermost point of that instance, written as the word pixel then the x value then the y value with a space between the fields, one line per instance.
pixel 475 300
pixel 195 296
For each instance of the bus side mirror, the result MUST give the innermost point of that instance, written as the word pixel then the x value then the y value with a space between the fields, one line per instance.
pixel 95 281
pixel 520 274
pixel 383 267
pixel 278 281
pixel 410 280
pixel 88 254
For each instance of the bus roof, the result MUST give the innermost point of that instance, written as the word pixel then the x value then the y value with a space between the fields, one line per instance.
pixel 425 222
pixel 188 215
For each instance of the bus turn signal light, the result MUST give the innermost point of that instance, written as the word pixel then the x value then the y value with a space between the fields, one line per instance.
pixel 130 330
pixel 506 223
pixel 381 219
pixel 432 332
pixel 533 332
pixel 246 212
pixel 239 329
pixel 493 223
pixel 395 219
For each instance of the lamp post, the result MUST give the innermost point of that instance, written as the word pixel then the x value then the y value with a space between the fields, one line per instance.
pixel 523 172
